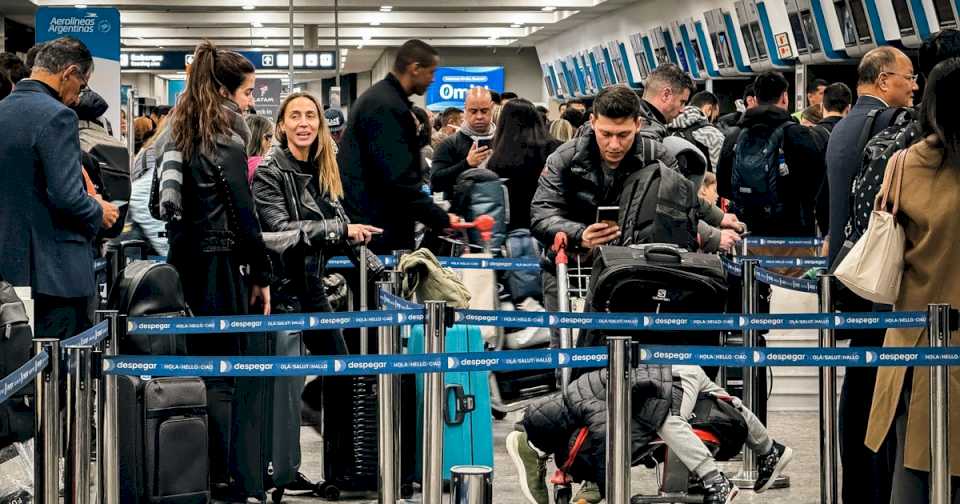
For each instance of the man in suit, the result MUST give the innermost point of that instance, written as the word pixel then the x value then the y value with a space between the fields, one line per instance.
pixel 379 155
pixel 886 80
pixel 47 219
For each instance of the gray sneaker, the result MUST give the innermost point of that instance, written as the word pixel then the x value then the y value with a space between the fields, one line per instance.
pixel 531 468
pixel 589 492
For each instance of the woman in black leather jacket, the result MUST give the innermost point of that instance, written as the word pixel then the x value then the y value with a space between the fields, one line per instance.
pixel 297 187
pixel 214 233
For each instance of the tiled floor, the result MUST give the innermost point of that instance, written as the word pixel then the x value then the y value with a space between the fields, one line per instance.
pixel 798 430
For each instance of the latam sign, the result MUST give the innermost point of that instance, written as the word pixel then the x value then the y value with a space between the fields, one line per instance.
pixel 451 84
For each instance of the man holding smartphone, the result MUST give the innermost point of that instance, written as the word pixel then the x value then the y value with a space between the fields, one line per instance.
pixel 469 147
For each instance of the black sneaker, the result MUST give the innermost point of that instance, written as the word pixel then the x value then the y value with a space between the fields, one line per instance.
pixel 719 490
pixel 301 484
pixel 772 465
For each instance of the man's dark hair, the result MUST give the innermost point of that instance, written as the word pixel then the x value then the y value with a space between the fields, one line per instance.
pixel 942 46
pixel 704 98
pixel 13 67
pixel 574 117
pixel 450 113
pixel 875 63
pixel 837 97
pixel 573 101
pixel 55 56
pixel 815 84
pixel 508 95
pixel 770 86
pixel 616 102
pixel 414 51
pixel 32 54
pixel 671 76
pixel 495 96
pixel 749 91
pixel 6 85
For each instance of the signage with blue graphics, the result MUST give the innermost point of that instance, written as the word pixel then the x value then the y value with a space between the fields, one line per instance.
pixel 178 60
pixel 451 84
pixel 99 29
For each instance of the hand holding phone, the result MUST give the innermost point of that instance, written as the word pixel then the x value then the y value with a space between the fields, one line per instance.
pixel 608 214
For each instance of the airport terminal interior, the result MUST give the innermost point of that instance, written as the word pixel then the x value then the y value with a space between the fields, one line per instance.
pixel 558 55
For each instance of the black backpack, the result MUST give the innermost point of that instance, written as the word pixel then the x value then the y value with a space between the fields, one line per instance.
pixel 479 191
pixel 658 205
pixel 146 288
pixel 757 160
pixel 902 132
pixel 16 348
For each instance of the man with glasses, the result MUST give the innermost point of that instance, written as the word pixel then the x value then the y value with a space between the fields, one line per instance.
pixel 886 80
pixel 47 219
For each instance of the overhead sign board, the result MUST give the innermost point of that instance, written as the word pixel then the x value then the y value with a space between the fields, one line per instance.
pixel 451 84
pixel 266 96
pixel 178 60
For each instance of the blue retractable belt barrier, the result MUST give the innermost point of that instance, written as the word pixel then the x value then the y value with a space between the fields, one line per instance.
pixel 785 262
pixel 513 360
pixel 15 381
pixel 507 360
pixel 90 337
pixel 492 263
pixel 770 278
pixel 412 314
pixel 763 241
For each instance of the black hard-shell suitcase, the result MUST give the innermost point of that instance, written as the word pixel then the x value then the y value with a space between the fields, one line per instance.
pixel 656 278
pixel 163 440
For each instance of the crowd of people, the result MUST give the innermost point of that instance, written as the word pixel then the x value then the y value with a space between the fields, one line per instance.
pixel 249 208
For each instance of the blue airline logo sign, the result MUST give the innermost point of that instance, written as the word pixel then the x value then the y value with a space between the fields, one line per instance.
pixel 451 84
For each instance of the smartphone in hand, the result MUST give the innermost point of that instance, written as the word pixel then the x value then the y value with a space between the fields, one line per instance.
pixel 609 214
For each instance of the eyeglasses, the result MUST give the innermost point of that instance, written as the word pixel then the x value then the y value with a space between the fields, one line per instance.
pixel 909 77
pixel 84 80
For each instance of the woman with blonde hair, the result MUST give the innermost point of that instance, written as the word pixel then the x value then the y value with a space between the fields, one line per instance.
pixel 562 130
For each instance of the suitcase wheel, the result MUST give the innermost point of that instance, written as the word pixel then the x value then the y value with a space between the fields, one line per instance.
pixel 406 490
pixel 277 496
pixel 328 491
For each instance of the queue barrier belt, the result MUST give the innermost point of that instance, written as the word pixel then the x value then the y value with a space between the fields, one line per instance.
pixel 514 360
pixel 90 337
pixel 15 381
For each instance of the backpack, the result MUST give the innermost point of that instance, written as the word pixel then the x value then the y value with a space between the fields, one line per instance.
pixel 687 134
pixel 146 288
pixel 718 416
pixel 757 166
pixel 108 163
pixel 479 191
pixel 16 348
pixel 658 205
pixel 902 132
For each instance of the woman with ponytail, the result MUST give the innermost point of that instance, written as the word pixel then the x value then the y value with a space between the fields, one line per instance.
pixel 214 235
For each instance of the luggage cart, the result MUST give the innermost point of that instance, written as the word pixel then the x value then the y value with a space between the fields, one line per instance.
pixel 573 284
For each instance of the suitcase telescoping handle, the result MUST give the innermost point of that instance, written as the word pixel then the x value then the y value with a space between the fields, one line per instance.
pixel 463 404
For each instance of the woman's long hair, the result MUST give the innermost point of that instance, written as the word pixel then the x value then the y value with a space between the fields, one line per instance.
pixel 259 126
pixel 938 111
pixel 562 130
pixel 199 117
pixel 323 150
pixel 520 133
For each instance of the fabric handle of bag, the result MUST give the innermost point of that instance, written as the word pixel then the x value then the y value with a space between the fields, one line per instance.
pixel 892 177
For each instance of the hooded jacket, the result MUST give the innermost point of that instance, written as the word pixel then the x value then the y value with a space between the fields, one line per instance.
pixel 797 189
pixel 552 423
pixel 703 132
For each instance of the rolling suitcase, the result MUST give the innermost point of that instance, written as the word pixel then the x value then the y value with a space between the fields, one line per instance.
pixel 162 437
pixel 467 416
pixel 656 278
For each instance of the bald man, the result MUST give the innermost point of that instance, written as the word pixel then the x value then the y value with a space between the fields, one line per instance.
pixel 886 80
pixel 469 147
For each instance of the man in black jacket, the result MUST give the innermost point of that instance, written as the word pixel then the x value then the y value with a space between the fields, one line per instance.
pixel 469 147
pixel 665 93
pixel 380 154
pixel 795 186
pixel 836 100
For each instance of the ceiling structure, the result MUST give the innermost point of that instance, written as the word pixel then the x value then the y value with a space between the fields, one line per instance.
pixel 366 27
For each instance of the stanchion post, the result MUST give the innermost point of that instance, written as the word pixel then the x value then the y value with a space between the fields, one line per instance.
pixel 388 406
pixel 77 477
pixel 434 335
pixel 471 485
pixel 938 327
pixel 618 419
pixel 364 299
pixel 110 460
pixel 46 457
pixel 750 297
pixel 829 493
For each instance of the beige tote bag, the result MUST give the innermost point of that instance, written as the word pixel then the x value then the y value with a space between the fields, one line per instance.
pixel 874 266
